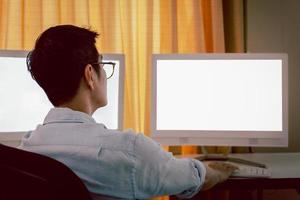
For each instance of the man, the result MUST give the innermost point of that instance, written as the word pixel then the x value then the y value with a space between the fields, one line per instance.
pixel 64 62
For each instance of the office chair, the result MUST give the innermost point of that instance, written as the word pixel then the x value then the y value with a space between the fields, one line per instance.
pixel 26 175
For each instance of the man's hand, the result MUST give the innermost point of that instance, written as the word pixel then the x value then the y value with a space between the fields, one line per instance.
pixel 217 172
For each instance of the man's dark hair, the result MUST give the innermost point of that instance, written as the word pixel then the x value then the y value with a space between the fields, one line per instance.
pixel 58 60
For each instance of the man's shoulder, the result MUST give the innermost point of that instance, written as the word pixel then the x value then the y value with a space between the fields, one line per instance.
pixel 119 140
pixel 130 141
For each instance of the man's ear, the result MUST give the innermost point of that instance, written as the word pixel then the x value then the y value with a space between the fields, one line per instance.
pixel 88 76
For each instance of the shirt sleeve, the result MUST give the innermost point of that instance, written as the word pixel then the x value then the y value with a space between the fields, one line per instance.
pixel 158 172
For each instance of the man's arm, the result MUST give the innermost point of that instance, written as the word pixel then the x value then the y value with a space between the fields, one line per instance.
pixel 158 172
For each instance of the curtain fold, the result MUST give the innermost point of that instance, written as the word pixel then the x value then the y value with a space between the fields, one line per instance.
pixel 136 28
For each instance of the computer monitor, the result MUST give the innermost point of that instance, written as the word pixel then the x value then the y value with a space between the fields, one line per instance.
pixel 220 99
pixel 24 104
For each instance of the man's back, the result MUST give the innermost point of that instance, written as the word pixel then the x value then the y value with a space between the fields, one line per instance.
pixel 123 165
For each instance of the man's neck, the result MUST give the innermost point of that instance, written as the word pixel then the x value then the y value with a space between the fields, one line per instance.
pixel 81 105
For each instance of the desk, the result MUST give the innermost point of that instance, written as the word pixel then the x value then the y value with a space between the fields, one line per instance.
pixel 285 175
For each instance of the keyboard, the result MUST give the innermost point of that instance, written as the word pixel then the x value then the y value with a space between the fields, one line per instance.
pixel 251 172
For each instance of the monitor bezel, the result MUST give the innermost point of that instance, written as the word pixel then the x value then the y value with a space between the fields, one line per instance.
pixel 216 138
pixel 11 137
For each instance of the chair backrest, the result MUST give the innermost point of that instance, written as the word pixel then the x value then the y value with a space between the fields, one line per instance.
pixel 27 175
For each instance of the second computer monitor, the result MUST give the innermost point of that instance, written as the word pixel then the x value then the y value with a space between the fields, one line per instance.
pixel 220 99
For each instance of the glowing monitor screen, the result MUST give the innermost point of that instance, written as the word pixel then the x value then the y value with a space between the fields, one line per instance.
pixel 24 104
pixel 220 99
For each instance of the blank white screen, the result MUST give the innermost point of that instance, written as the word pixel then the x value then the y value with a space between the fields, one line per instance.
pixel 219 95
pixel 24 104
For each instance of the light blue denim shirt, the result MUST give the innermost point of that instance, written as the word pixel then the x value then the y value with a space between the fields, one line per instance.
pixel 113 163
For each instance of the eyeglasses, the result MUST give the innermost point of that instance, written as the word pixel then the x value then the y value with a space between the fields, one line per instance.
pixel 109 68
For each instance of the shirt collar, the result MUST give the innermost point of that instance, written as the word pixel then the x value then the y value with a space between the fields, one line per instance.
pixel 67 115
